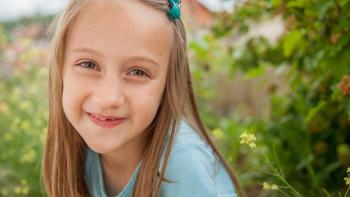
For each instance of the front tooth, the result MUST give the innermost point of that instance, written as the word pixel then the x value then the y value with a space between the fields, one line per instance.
pixel 100 118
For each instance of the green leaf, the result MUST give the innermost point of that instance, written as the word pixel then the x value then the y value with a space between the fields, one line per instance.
pixel 312 112
pixel 347 107
pixel 343 2
pixel 339 64
pixel 291 41
pixel 296 4
pixel 255 72
pixel 276 3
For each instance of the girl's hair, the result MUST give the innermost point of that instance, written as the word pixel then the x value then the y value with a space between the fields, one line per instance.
pixel 64 153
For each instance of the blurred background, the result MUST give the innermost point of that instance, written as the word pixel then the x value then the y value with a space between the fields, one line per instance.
pixel 272 78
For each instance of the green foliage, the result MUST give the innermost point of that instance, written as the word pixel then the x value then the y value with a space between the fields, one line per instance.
pixel 308 127
pixel 23 113
pixel 23 122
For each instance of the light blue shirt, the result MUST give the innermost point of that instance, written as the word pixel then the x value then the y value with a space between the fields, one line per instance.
pixel 192 167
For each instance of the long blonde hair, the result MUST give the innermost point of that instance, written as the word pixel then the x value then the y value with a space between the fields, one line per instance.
pixel 64 151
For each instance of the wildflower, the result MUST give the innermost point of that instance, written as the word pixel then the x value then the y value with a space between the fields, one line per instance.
pixel 18 190
pixel 21 190
pixel 28 157
pixel 274 187
pixel 249 139
pixel 8 136
pixel 347 180
pixel 29 55
pixel 14 125
pixel 25 125
pixel 26 42
pixel 25 190
pixel 348 170
pixel 218 133
pixel 24 105
pixel 267 186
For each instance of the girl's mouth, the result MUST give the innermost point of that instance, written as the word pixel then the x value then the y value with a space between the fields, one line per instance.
pixel 105 121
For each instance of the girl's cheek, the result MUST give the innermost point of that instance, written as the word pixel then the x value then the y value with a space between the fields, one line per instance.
pixel 76 86
pixel 151 95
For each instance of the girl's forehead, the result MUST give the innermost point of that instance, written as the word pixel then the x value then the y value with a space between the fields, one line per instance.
pixel 123 26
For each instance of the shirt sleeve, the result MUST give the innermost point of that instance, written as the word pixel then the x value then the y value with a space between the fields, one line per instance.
pixel 192 172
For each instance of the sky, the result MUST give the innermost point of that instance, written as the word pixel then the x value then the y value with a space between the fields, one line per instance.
pixel 12 9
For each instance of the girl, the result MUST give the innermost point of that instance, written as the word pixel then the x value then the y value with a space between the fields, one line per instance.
pixel 122 115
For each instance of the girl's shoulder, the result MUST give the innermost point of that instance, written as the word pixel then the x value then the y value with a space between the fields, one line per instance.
pixel 193 168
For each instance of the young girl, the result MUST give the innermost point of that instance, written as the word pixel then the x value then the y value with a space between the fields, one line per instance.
pixel 123 119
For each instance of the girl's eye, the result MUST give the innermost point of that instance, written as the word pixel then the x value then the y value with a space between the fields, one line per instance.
pixel 139 72
pixel 87 64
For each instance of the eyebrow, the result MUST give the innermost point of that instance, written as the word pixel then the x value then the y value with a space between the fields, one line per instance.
pixel 87 50
pixel 132 58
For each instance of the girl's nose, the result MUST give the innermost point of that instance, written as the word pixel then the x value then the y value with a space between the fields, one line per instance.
pixel 109 93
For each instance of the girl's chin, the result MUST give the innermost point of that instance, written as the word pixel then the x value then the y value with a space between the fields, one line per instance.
pixel 102 148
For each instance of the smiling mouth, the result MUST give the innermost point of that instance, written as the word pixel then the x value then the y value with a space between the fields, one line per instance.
pixel 105 121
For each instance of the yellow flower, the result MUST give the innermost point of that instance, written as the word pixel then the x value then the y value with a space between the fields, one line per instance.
pixel 274 187
pixel 25 190
pixel 34 89
pixel 21 190
pixel 267 186
pixel 26 42
pixel 348 170
pixel 28 157
pixel 218 133
pixel 347 180
pixel 15 94
pixel 24 105
pixel 8 136
pixel 15 123
pixel 252 145
pixel 18 190
pixel 29 55
pixel 25 125
pixel 247 138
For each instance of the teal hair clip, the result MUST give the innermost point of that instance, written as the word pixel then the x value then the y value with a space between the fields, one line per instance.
pixel 174 9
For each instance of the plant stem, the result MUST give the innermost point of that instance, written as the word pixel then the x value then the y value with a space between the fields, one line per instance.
pixel 282 192
pixel 347 192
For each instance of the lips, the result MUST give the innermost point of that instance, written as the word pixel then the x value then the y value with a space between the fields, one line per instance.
pixel 104 118
pixel 105 121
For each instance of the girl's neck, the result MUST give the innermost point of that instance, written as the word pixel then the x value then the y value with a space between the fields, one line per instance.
pixel 119 165
pixel 116 179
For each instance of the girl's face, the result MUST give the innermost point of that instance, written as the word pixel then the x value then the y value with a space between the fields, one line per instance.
pixel 116 60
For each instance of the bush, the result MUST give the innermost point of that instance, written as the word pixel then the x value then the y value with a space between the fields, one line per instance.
pixel 306 134
pixel 23 122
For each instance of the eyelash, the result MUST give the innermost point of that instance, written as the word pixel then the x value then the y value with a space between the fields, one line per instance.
pixel 90 62
pixel 144 73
